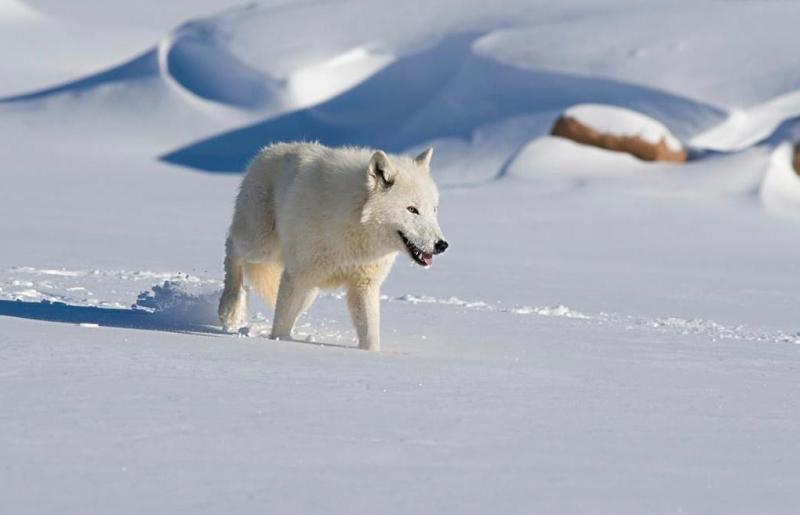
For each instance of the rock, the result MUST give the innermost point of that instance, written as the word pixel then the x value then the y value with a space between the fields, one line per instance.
pixel 619 130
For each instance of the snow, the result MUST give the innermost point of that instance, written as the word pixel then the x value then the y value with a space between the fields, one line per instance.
pixel 745 128
pixel 683 54
pixel 780 190
pixel 604 335
pixel 319 82
pixel 16 11
pixel 622 122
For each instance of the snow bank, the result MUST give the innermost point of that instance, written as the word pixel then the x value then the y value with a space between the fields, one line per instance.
pixel 444 92
pixel 321 81
pixel 558 157
pixel 780 191
pixel 746 127
pixel 687 55
pixel 181 303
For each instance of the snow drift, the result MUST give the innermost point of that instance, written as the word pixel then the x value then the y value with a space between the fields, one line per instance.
pixel 780 191
pixel 446 92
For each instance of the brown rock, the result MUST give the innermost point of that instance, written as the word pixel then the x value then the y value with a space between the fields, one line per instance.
pixel 571 128
pixel 796 160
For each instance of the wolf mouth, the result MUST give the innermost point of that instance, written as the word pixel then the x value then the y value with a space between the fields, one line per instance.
pixel 419 256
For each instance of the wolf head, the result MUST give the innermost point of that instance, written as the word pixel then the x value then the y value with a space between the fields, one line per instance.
pixel 402 205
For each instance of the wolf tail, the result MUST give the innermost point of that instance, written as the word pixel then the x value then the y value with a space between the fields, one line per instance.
pixel 265 278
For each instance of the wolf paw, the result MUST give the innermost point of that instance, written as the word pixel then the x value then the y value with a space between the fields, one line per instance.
pixel 232 315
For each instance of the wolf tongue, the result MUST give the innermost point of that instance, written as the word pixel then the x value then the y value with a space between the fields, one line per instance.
pixel 427 259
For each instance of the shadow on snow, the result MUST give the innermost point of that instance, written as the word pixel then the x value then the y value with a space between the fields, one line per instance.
pixel 104 317
pixel 122 319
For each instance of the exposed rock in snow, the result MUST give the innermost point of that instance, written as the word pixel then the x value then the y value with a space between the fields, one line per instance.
pixel 620 130
pixel 796 161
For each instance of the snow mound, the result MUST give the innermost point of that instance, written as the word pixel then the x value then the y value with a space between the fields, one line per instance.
pixel 204 58
pixel 686 55
pixel 319 82
pixel 553 156
pixel 194 60
pixel 780 191
pixel 200 78
pixel 218 62
pixel 447 93
pixel 746 127
pixel 180 303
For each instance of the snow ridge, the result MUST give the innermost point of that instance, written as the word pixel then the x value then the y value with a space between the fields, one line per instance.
pixel 190 300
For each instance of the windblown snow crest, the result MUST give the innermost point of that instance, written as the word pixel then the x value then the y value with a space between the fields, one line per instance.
pixel 199 63
pixel 195 61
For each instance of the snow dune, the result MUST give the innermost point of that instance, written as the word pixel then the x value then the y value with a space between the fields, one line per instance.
pixel 216 72
pixel 683 54
pixel 780 190
pixel 777 119
pixel 446 92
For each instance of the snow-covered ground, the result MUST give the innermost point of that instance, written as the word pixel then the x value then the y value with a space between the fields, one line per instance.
pixel 605 335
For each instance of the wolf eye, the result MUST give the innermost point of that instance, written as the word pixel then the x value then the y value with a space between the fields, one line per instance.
pixel 412 209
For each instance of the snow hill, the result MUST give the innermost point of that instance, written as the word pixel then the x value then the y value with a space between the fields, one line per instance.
pixel 604 335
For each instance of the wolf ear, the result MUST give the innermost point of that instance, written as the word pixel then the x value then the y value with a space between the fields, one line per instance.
pixel 424 159
pixel 380 170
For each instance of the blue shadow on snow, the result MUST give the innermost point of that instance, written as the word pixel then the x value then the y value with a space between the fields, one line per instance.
pixel 104 317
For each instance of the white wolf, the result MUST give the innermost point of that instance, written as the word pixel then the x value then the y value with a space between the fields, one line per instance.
pixel 310 217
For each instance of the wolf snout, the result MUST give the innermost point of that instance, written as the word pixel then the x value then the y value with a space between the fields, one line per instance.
pixel 440 246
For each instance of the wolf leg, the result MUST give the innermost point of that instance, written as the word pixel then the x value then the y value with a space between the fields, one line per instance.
pixel 265 278
pixel 365 310
pixel 293 299
pixel 233 302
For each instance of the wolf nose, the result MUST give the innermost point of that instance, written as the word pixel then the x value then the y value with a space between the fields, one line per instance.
pixel 440 246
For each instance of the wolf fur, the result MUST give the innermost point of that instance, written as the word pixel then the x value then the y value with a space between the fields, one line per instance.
pixel 310 217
